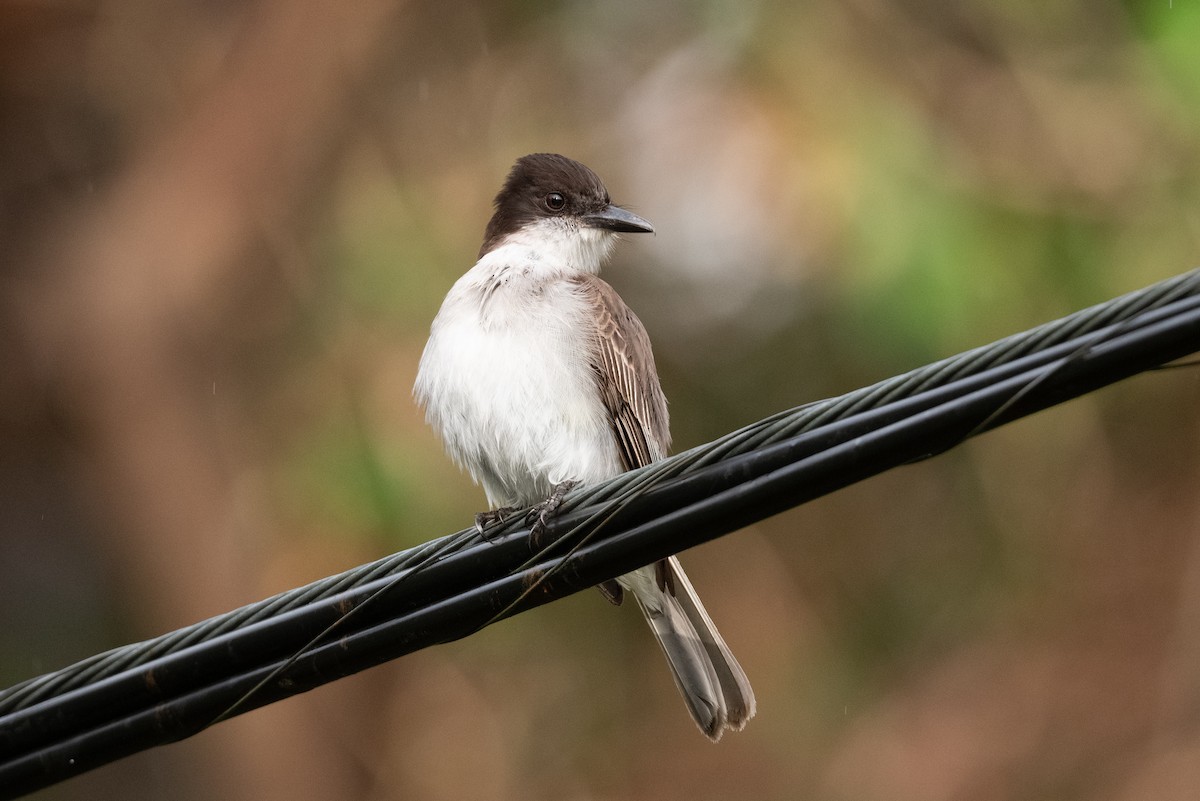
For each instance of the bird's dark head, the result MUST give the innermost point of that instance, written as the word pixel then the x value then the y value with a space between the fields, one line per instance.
pixel 557 197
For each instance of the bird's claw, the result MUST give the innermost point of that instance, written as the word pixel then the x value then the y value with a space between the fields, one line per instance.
pixel 485 519
pixel 540 515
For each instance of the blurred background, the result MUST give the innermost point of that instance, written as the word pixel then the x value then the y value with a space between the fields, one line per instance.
pixel 224 231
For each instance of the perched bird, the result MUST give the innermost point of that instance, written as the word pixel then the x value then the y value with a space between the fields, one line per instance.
pixel 538 377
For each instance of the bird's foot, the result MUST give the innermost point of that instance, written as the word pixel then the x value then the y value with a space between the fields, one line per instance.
pixel 541 514
pixel 491 517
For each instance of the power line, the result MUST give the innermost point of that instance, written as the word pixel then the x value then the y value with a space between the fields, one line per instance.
pixel 173 686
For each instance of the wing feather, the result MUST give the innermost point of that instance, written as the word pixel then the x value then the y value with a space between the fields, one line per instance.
pixel 623 364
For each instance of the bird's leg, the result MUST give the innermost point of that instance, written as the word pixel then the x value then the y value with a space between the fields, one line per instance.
pixel 541 514
pixel 485 519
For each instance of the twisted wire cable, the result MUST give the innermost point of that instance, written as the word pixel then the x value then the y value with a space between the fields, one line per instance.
pixel 171 686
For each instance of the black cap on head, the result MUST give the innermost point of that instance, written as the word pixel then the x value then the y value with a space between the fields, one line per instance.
pixel 546 185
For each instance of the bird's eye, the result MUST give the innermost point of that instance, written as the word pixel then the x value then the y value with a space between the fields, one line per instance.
pixel 555 201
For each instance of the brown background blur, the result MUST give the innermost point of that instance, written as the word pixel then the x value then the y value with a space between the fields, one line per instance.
pixel 225 228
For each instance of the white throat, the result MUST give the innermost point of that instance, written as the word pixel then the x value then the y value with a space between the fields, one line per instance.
pixel 560 245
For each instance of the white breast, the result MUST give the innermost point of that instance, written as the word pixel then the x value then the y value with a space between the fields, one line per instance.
pixel 505 380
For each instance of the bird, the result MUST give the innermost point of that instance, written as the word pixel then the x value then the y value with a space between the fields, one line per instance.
pixel 538 378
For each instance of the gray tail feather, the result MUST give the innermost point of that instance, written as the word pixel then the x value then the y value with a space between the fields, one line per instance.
pixel 713 684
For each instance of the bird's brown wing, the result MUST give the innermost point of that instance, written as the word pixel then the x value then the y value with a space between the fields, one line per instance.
pixel 627 380
pixel 623 364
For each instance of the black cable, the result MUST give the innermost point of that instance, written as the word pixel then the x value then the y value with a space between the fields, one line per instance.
pixel 701 494
pixel 779 426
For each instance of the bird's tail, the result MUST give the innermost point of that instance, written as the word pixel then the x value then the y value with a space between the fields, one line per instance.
pixel 713 684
